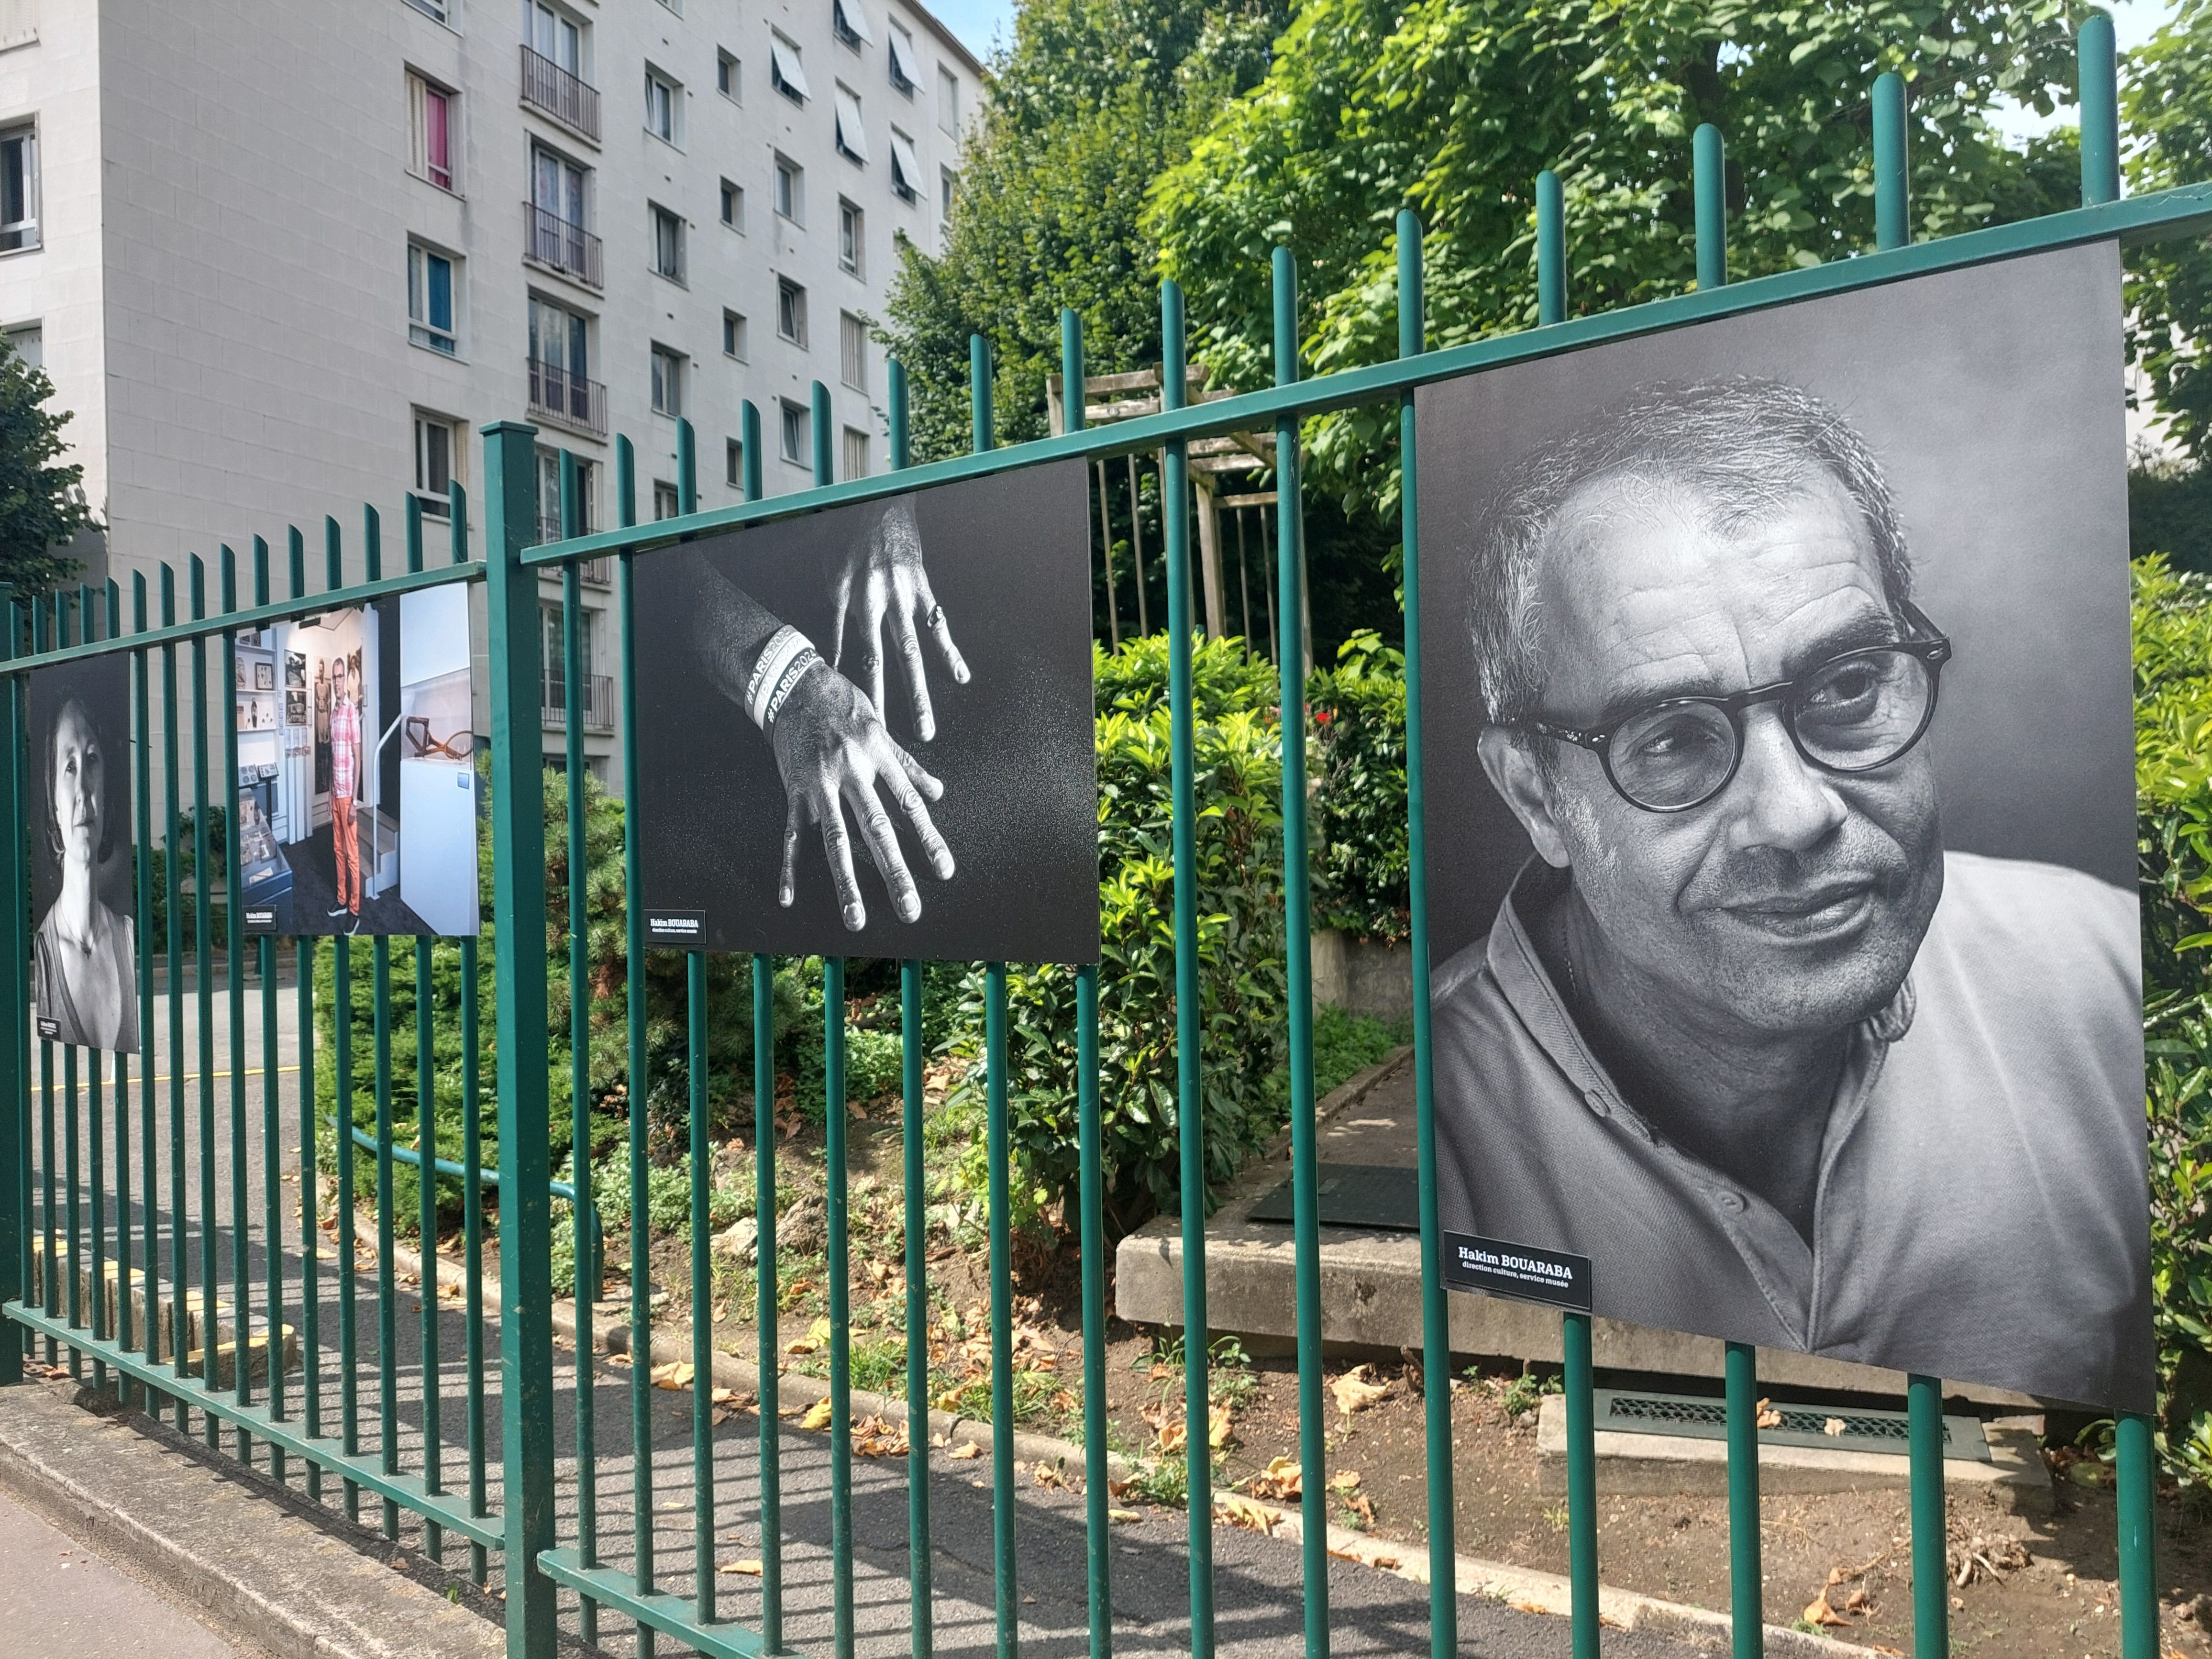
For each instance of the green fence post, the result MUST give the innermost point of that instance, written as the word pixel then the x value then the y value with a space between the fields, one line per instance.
pixel 202 923
pixel 525 1327
pixel 1931 1578
pixel 15 1030
pixel 2097 86
pixel 1435 1318
pixel 242 1283
pixel 1892 221
pixel 703 1293
pixel 1097 1523
pixel 1190 1086
pixel 1710 166
pixel 143 861
pixel 1297 963
pixel 2137 1492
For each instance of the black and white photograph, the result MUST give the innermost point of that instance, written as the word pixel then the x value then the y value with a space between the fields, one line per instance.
pixel 1780 815
pixel 84 948
pixel 868 731
pixel 357 802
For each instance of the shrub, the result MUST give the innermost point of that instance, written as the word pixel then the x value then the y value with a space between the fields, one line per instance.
pixel 1361 862
pixel 1238 780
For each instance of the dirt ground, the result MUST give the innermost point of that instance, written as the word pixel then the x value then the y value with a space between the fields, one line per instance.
pixel 2036 1588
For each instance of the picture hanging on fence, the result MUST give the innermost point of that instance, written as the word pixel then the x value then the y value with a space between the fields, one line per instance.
pixel 84 955
pixel 357 808
pixel 869 730
pixel 1776 997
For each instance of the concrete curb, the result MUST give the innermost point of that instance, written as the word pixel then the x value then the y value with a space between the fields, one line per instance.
pixel 294 1588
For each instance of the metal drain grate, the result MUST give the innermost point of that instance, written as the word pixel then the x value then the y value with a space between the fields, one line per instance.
pixel 1621 1412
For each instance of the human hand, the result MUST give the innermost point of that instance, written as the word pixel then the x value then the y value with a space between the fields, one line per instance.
pixel 834 753
pixel 882 576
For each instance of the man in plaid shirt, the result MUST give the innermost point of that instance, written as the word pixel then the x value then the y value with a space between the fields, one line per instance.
pixel 345 772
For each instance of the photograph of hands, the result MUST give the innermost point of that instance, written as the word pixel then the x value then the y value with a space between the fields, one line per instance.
pixel 869 730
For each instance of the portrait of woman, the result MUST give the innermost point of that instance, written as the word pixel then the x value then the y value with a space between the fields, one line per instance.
pixel 84 951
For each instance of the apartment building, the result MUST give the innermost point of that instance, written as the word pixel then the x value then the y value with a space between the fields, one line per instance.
pixel 282 259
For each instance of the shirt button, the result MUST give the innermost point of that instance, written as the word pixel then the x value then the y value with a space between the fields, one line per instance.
pixel 1731 1202
pixel 1595 1100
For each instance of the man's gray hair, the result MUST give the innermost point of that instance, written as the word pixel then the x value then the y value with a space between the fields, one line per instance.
pixel 1744 446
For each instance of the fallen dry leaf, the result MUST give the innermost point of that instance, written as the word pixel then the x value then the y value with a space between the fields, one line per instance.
pixel 1834 1427
pixel 1818 1612
pixel 620 1359
pixel 1220 1427
pixel 1768 1417
pixel 675 1376
pixel 1517 1607
pixel 1346 1481
pixel 748 1566
pixel 1354 1393
pixel 724 1397
pixel 965 1449
pixel 1244 1512
pixel 1126 1517
pixel 1360 1505
pixel 817 1334
pixel 817 1415
pixel 1280 1481
pixel 1048 1476
pixel 874 1437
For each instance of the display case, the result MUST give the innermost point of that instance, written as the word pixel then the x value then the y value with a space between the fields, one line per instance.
pixel 263 869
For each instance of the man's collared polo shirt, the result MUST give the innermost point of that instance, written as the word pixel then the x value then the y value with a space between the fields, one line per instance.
pixel 1982 1210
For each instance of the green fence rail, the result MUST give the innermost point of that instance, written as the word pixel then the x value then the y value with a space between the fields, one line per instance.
pixel 128 1227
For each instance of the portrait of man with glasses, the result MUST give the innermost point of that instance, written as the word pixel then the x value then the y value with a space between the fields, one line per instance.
pixel 1745 1032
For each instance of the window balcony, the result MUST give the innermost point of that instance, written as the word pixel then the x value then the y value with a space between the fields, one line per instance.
pixel 569 399
pixel 596 573
pixel 599 703
pixel 553 92
pixel 556 245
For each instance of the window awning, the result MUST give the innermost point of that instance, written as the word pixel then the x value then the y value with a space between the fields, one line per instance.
pixel 905 169
pixel 903 60
pixel 850 138
pixel 852 18
pixel 783 57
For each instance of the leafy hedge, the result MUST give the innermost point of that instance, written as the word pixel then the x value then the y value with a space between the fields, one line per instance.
pixel 1361 862
pixel 1237 775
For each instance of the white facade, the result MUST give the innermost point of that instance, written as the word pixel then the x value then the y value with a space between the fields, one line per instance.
pixel 230 200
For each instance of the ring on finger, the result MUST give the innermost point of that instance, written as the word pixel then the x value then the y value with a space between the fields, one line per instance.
pixel 936 616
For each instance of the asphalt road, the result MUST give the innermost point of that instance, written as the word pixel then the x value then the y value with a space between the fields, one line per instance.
pixel 59 1599
pixel 1257 1579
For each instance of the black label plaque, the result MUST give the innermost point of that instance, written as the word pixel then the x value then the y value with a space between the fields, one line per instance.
pixel 685 929
pixel 1492 1266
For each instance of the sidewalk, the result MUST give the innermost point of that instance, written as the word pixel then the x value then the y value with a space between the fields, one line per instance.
pixel 63 1600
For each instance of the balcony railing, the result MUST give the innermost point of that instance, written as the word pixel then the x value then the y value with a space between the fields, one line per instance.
pixel 598 700
pixel 553 242
pixel 552 90
pixel 596 573
pixel 569 399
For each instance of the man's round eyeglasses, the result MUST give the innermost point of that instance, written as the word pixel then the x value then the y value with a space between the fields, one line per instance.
pixel 1855 713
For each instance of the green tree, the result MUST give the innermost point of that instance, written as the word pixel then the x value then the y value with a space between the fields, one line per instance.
pixel 1092 100
pixel 2168 106
pixel 1453 106
pixel 42 505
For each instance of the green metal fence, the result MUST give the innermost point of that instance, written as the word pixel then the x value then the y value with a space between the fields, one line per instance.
pixel 116 1272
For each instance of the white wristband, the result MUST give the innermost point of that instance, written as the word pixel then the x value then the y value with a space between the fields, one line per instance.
pixel 787 656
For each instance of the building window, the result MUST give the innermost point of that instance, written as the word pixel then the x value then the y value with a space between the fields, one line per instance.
pixel 431 112
pixel 554 36
pixel 664 107
pixel 733 205
pixel 559 233
pixel 848 22
pixel 668 244
pixel 948 101
pixel 561 384
pixel 432 313
pixel 733 336
pixel 791 311
pixel 852 351
pixel 667 381
pixel 729 77
pixel 856 453
pixel 906 67
pixel 948 184
pixel 785 71
pixel 796 430
pixel 905 168
pixel 733 453
pixel 549 503
pixel 436 10
pixel 852 238
pixel 437 448
pixel 28 342
pixel 556 665
pixel 852 140
pixel 19 189
pixel 791 189
pixel 666 503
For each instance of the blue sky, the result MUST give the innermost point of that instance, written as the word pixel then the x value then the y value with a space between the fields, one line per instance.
pixel 978 21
